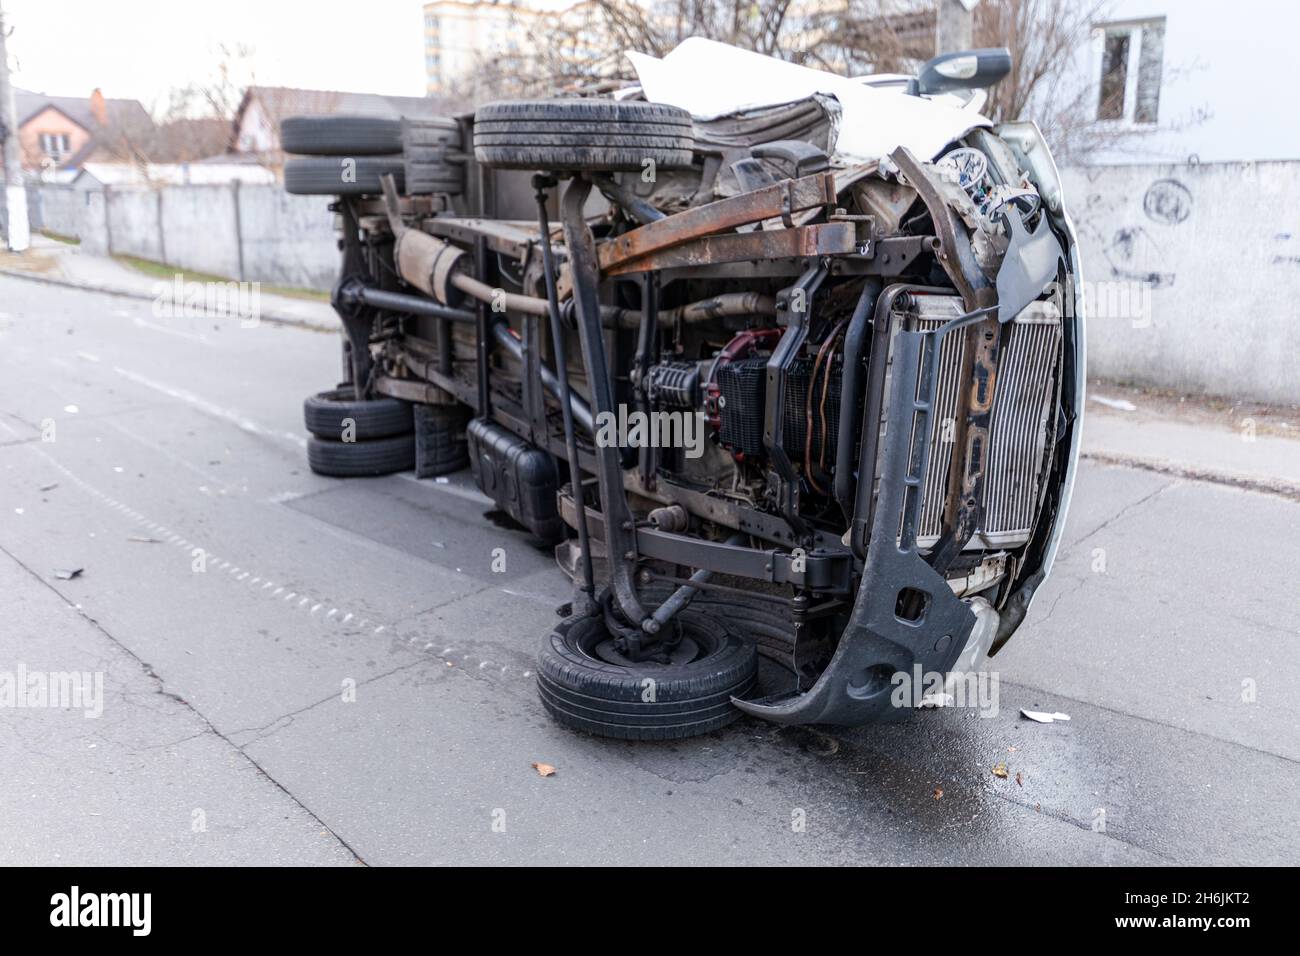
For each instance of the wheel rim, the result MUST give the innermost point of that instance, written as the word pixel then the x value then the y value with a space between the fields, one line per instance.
pixel 694 644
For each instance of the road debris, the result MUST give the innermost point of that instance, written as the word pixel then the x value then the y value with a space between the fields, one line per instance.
pixel 50 487
pixel 142 539
pixel 1043 717
pixel 1119 404
pixel 1019 780
pixel 67 574
pixel 930 701
pixel 938 793
pixel 544 769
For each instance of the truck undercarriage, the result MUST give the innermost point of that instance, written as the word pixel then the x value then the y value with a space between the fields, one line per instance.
pixel 759 402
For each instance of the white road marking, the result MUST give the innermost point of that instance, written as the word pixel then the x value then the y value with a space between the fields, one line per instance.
pixel 231 415
pixel 179 333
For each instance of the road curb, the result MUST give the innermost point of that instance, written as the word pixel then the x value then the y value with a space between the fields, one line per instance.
pixel 275 318
pixel 1280 487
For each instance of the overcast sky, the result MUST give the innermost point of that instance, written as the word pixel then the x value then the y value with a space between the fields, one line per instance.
pixel 138 49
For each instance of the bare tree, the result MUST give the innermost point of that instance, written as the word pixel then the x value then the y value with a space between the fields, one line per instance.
pixel 1042 36
pixel 582 48
pixel 583 45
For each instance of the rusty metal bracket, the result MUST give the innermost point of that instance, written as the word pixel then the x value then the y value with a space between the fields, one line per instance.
pixel 801 242
pixel 954 252
pixel 778 200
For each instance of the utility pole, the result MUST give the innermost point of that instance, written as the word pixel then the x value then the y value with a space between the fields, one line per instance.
pixel 17 231
pixel 954 25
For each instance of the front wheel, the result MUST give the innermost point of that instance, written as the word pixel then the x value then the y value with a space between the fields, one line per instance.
pixel 585 683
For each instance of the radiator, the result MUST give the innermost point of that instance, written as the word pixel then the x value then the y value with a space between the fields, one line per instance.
pixel 1019 429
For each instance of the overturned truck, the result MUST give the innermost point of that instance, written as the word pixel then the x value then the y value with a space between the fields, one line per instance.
pixel 766 393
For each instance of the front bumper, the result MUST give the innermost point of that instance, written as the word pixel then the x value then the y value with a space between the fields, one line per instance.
pixel 952 634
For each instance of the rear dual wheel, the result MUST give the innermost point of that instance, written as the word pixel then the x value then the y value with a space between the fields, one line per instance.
pixel 349 155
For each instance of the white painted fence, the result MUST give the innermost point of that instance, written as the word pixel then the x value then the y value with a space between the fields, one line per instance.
pixel 250 232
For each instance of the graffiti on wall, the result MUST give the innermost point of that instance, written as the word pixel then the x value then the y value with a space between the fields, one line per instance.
pixel 1167 202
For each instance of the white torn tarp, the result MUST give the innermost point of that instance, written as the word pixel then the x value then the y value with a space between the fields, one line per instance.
pixel 711 79
pixel 1043 717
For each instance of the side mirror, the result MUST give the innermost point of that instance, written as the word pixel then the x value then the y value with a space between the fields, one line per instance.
pixel 964 70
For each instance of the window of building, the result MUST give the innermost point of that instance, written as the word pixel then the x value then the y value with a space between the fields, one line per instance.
pixel 56 145
pixel 1132 63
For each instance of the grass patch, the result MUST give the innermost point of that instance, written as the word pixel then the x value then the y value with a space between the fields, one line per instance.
pixel 161 271
pixel 60 237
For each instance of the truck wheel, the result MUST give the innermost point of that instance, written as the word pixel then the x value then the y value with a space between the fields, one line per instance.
pixel 341 175
pixel 426 146
pixel 361 459
pixel 341 135
pixel 328 415
pixel 582 135
pixel 586 684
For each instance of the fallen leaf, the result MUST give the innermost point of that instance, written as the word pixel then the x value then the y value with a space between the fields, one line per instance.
pixel 1012 750
pixel 938 793
pixel 67 574
pixel 544 769
pixel 1000 771
pixel 1018 779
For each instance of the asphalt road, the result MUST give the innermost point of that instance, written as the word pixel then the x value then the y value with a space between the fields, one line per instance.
pixel 348 681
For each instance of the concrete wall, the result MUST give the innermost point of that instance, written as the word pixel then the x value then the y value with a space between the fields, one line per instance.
pixel 1193 275
pixel 199 228
pixel 133 223
pixel 289 240
pixel 58 210
pixel 241 231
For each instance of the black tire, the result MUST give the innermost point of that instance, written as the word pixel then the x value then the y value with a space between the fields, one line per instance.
pixel 327 414
pixel 426 146
pixel 582 687
pixel 590 135
pixel 341 135
pixel 333 176
pixel 440 446
pixel 361 459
